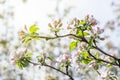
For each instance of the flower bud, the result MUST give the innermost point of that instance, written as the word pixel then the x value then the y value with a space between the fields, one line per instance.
pixel 66 56
pixel 68 27
pixel 59 21
pixel 99 31
pixel 49 24
pixel 93 21
pixel 92 31
pixel 55 23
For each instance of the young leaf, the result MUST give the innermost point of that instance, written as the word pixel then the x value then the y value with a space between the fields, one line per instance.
pixel 79 33
pixel 96 67
pixel 33 29
pixel 73 45
pixel 86 60
pixel 19 64
pixel 27 40
pixel 24 61
pixel 86 33
pixel 82 22
pixel 84 54
pixel 61 66
pixel 29 54
pixel 50 58
pixel 90 42
pixel 108 66
pixel 96 55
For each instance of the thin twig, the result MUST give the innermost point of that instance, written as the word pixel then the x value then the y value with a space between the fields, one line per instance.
pixel 60 71
pixel 54 69
pixel 84 40
pixel 105 52
pixel 67 69
pixel 98 59
pixel 55 37
pixel 96 47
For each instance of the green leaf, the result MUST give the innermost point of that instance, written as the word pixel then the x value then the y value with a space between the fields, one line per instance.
pixel 50 58
pixel 29 54
pixel 27 40
pixel 108 66
pixel 84 54
pixel 86 60
pixel 38 57
pixel 90 42
pixel 18 63
pixel 96 67
pixel 85 57
pixel 62 66
pixel 79 33
pixel 86 33
pixel 82 22
pixel 97 55
pixel 73 45
pixel 36 37
pixel 24 61
pixel 33 29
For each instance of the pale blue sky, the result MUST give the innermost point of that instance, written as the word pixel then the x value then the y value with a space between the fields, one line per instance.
pixel 37 10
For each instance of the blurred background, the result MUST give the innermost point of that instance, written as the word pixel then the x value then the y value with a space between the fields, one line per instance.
pixel 14 14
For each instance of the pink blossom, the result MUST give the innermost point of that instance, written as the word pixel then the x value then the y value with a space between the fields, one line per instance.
pixel 69 27
pixel 99 31
pixel 75 57
pixel 55 23
pixel 13 58
pixel 16 56
pixel 81 48
pixel 87 19
pixel 63 58
pixel 92 31
pixel 49 24
pixel 93 21
pixel 66 56
pixel 77 54
pixel 75 19
pixel 59 21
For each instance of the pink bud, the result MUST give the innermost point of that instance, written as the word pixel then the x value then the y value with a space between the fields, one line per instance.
pixel 55 23
pixel 59 21
pixel 81 48
pixel 66 56
pixel 49 24
pixel 68 27
pixel 99 31
pixel 93 21
pixel 87 19
pixel 92 31
pixel 77 54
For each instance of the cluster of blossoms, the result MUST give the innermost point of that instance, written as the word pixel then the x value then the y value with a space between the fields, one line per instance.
pixel 87 26
pixel 76 57
pixel 75 60
pixel 55 23
pixel 89 20
pixel 55 27
pixel 68 59
pixel 42 58
pixel 16 56
pixel 65 58
pixel 84 34
pixel 21 35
